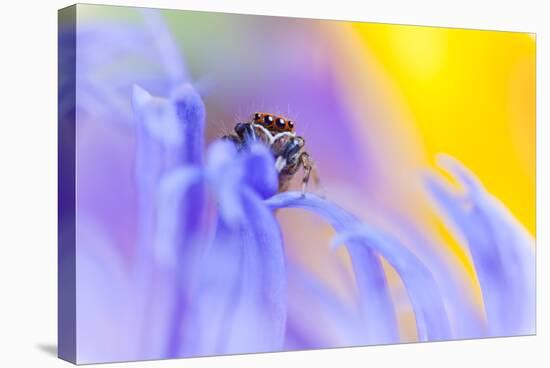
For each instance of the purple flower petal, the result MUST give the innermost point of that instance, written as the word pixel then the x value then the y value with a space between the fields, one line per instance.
pixel 114 56
pixel 263 295
pixel 177 127
pixel 229 290
pixel 260 173
pixel 190 114
pixel 225 175
pixel 464 316
pixel 378 310
pixel 241 306
pixel 156 118
pixel 169 133
pixel 168 52
pixel 175 191
pixel 159 143
pixel 229 172
pixel 182 232
pixel 501 249
pixel 431 317
pixel 317 318
pixel 149 164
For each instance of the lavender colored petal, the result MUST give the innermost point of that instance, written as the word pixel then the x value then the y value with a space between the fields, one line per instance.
pixel 263 293
pixel 169 54
pixel 216 293
pixel 157 118
pixel 464 316
pixel 377 307
pixel 174 191
pixel 431 317
pixel 260 173
pixel 241 306
pixel 501 249
pixel 169 134
pixel 149 166
pixel 190 114
pixel 317 318
pixel 229 172
pixel 158 138
pixel 106 293
pixel 114 56
pixel 225 175
pixel 186 228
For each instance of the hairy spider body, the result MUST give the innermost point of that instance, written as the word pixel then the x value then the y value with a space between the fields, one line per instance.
pixel 278 134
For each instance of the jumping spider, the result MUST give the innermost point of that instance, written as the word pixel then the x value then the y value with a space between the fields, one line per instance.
pixel 278 134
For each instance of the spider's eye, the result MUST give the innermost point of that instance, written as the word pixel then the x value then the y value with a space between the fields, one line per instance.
pixel 268 120
pixel 280 123
pixel 290 124
pixel 257 116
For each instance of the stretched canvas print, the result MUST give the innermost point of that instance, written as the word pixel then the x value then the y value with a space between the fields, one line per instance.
pixel 235 184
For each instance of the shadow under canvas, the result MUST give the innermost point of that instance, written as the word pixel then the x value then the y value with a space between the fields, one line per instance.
pixel 50 349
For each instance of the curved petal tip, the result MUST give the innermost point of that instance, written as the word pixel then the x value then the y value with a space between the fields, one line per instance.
pixel 139 96
pixel 189 105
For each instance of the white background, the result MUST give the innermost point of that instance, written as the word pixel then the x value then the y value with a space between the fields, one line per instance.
pixel 28 180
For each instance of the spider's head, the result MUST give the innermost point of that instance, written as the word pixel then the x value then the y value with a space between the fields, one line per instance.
pixel 273 123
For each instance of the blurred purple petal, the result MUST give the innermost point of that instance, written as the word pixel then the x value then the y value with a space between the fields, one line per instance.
pixel 229 172
pixel 431 318
pixel 225 176
pixel 174 192
pixel 465 319
pixel 317 318
pixel 262 305
pixel 259 170
pixel 169 134
pixel 149 161
pixel 113 57
pixel 190 114
pixel 378 310
pixel 241 305
pixel 230 288
pixel 155 117
pixel 500 247
pixel 170 55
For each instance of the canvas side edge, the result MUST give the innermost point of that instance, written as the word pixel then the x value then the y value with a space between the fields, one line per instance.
pixel 66 276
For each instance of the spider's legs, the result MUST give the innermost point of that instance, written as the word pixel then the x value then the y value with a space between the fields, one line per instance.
pixel 233 138
pixel 309 171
